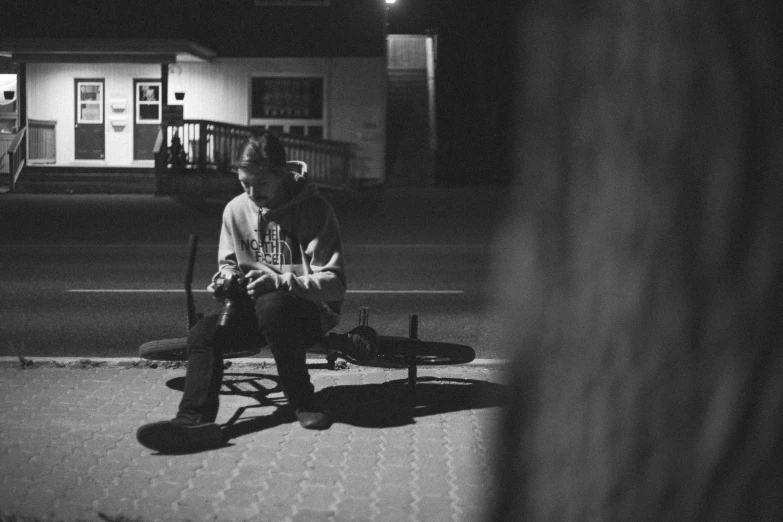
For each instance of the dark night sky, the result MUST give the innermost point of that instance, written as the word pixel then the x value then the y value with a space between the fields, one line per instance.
pixel 416 16
pixel 473 79
pixel 483 22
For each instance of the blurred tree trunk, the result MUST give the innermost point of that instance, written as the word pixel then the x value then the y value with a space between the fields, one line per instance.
pixel 642 286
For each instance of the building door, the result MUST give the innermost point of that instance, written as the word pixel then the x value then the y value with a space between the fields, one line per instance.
pixel 147 114
pixel 89 132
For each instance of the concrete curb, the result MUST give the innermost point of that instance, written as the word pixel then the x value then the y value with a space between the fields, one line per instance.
pixel 137 362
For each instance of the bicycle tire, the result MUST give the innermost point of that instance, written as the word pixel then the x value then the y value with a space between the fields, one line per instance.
pixel 165 350
pixel 400 352
pixel 177 350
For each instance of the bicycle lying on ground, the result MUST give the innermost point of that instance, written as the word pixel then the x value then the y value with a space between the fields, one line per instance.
pixel 394 352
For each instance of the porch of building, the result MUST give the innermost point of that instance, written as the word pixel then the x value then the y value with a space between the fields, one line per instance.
pixel 192 157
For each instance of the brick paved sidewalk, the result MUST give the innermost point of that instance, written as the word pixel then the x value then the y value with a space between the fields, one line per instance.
pixel 68 447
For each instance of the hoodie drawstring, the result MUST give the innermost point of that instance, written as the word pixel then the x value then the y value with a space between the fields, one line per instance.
pixel 263 224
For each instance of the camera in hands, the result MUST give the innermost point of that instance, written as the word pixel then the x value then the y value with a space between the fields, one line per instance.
pixel 237 304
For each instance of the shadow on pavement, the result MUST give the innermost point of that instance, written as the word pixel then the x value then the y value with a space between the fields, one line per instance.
pixel 244 384
pixel 381 405
pixel 391 403
pixel 256 386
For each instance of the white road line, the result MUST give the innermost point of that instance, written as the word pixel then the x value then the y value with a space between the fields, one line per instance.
pixel 406 291
pixel 213 246
pixel 348 246
pixel 177 290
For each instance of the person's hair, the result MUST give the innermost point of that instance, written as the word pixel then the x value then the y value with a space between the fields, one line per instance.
pixel 261 148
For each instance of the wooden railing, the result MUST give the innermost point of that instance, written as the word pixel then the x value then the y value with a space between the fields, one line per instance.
pixel 196 146
pixel 16 155
pixel 207 144
pixel 43 144
pixel 5 143
pixel 328 162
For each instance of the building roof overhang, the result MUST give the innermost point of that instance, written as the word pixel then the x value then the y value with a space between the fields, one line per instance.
pixel 103 50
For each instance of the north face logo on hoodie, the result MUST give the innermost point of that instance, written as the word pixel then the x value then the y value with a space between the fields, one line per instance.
pixel 276 248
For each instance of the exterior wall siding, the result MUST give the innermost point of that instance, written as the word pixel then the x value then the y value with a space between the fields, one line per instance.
pixel 50 95
pixel 220 90
pixel 354 100
pixel 358 100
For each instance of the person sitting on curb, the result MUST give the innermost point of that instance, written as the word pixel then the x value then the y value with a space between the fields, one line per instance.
pixel 282 239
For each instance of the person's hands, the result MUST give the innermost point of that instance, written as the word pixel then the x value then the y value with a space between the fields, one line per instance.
pixel 211 288
pixel 261 283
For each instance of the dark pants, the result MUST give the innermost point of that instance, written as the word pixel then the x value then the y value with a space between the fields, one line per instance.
pixel 290 325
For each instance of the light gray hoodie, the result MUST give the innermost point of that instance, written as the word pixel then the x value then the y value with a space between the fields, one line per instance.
pixel 298 242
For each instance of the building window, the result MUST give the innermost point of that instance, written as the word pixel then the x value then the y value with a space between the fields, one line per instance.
pixel 90 102
pixel 148 102
pixel 288 104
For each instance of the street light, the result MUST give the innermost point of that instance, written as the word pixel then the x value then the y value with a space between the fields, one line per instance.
pixel 389 3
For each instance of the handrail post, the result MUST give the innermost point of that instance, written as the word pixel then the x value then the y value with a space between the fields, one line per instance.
pixel 160 152
pixel 17 156
pixel 202 145
pixel 346 157
pixel 21 159
pixel 11 169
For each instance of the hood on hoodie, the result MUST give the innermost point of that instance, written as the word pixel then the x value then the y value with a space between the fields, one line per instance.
pixel 301 189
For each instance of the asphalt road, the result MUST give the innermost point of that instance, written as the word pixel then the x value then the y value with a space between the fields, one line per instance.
pixel 98 275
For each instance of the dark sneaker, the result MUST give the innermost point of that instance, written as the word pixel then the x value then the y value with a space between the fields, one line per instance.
pixel 180 435
pixel 313 419
pixel 360 344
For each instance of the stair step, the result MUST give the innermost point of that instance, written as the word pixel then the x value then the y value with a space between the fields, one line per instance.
pixel 87 177
pixel 138 181
pixel 83 187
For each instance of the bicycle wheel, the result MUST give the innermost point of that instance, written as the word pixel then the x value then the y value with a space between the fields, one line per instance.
pixel 176 350
pixel 165 350
pixel 400 352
